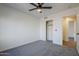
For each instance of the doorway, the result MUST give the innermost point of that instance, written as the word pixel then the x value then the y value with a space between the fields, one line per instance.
pixel 69 31
pixel 49 27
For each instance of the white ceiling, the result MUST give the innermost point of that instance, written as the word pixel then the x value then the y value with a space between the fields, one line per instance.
pixel 57 7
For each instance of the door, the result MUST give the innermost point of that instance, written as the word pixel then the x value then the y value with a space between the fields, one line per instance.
pixel 49 31
pixel 69 31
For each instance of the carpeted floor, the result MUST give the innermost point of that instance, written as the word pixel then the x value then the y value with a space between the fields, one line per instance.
pixel 40 48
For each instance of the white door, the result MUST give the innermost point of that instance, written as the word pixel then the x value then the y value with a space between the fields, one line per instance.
pixel 49 31
pixel 71 30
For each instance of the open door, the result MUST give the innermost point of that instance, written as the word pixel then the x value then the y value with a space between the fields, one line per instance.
pixel 49 30
pixel 69 31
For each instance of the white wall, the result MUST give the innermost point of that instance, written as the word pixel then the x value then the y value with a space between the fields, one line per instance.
pixel 78 32
pixel 17 28
pixel 57 25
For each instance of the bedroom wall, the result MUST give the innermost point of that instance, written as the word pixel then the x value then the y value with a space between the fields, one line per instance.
pixel 57 25
pixel 17 28
pixel 77 37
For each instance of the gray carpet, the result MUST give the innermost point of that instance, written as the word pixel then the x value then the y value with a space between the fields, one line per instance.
pixel 40 48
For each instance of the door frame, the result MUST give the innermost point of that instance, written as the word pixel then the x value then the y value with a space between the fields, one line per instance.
pixel 46 28
pixel 65 32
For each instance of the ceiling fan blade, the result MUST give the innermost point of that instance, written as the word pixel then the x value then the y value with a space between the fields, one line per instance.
pixel 32 9
pixel 34 4
pixel 46 7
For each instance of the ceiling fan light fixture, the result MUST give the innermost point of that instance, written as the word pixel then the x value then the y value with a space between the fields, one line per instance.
pixel 39 7
pixel 39 10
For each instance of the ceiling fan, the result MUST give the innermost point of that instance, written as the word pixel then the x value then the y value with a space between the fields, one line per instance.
pixel 39 7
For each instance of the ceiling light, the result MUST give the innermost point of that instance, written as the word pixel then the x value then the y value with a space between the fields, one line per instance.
pixel 39 10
